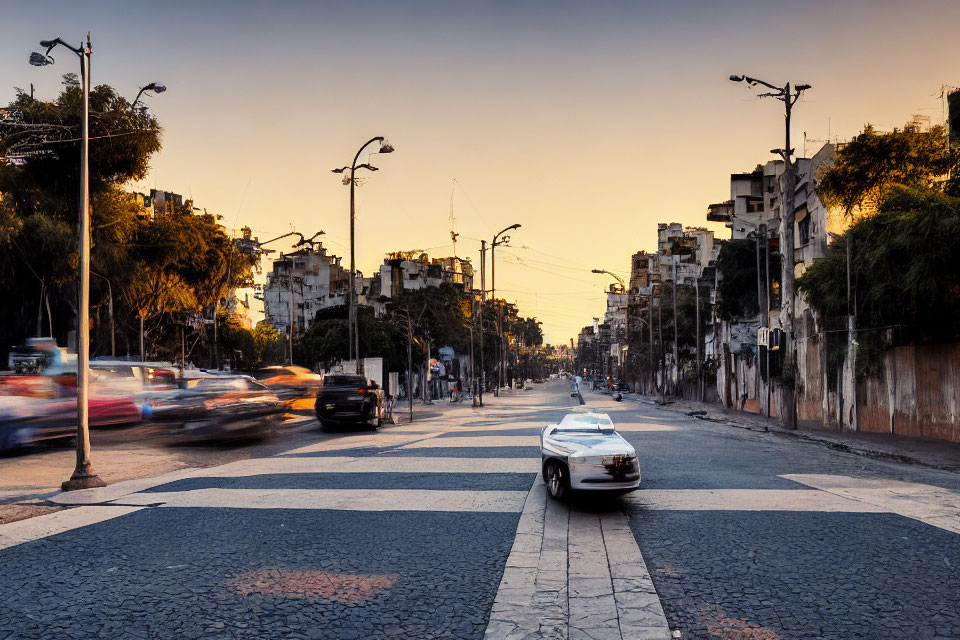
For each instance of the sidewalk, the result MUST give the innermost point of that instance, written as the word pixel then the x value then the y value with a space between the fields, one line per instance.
pixel 936 454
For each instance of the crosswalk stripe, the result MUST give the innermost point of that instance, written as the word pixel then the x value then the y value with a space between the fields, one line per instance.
pixel 338 499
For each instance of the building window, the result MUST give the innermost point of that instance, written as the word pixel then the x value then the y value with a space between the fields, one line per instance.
pixel 803 226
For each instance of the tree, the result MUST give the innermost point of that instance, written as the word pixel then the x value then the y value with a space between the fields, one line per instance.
pixel 905 274
pixel 38 196
pixel 866 168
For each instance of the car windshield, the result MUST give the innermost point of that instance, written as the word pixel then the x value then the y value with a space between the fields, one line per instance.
pixel 586 423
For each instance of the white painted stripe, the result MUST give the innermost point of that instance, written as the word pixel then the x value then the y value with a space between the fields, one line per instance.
pixel 21 531
pixel 339 499
pixel 476 441
pixel 643 427
pixel 321 464
pixel 933 505
pixel 367 440
pixel 639 611
pixel 748 500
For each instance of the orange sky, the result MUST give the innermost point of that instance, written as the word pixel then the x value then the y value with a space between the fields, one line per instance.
pixel 587 123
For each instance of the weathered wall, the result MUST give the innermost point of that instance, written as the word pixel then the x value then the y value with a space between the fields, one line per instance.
pixel 810 396
pixel 918 395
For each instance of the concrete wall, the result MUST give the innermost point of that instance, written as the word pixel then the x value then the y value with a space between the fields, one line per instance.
pixel 918 395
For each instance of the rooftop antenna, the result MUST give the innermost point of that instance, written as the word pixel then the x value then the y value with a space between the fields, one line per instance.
pixel 453 234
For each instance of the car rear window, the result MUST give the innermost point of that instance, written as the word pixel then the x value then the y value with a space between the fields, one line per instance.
pixel 344 381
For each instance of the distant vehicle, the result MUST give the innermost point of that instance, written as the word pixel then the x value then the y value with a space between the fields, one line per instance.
pixel 35 355
pixel 621 386
pixel 584 452
pixel 350 399
pixel 290 382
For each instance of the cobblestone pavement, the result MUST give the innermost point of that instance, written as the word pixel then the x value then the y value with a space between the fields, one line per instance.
pixel 401 534
pixel 752 537
pixel 441 529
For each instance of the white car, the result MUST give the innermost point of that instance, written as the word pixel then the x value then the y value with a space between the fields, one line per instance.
pixel 584 452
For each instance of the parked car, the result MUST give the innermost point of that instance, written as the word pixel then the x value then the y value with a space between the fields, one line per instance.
pixel 621 386
pixel 584 452
pixel 349 399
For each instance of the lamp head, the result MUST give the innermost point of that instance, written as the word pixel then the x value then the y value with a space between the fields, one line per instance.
pixel 513 226
pixel 802 87
pixel 736 78
pixel 40 60
pixel 49 44
pixel 156 87
pixel 596 271
pixel 385 146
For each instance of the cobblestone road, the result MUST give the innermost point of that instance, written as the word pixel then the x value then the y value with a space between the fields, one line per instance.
pixel 441 529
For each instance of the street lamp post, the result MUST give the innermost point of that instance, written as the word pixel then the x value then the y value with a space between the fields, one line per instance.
pixel 623 286
pixel 354 329
pixel 498 239
pixel 156 87
pixel 788 96
pixel 84 477
pixel 763 287
pixel 113 333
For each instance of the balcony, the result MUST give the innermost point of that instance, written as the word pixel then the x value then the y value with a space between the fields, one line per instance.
pixel 720 212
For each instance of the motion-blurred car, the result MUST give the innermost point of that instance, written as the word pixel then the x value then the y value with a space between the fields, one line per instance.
pixel 25 420
pixel 217 408
pixel 584 452
pixel 350 399
pixel 290 382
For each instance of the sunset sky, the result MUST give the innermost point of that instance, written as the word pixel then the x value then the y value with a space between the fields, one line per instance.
pixel 586 122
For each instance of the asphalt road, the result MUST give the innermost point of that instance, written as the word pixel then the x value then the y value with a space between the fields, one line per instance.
pixel 406 533
pixel 761 570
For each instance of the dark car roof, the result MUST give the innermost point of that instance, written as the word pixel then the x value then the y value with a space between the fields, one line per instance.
pixel 344 381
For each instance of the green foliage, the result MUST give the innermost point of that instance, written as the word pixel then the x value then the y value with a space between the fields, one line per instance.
pixel 872 163
pixel 158 269
pixel 904 271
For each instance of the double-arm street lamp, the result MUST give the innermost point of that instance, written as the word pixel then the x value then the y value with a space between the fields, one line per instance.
pixel 354 329
pixel 84 476
pixel 788 96
pixel 499 238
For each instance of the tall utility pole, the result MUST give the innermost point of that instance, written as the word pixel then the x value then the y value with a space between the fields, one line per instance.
pixel 499 239
pixel 483 295
pixel 766 302
pixel 84 477
pixel 762 305
pixel 653 376
pixel 354 329
pixel 676 347
pixel 290 283
pixel 789 97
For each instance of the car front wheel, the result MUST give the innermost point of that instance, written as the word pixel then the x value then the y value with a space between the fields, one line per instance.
pixel 557 479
